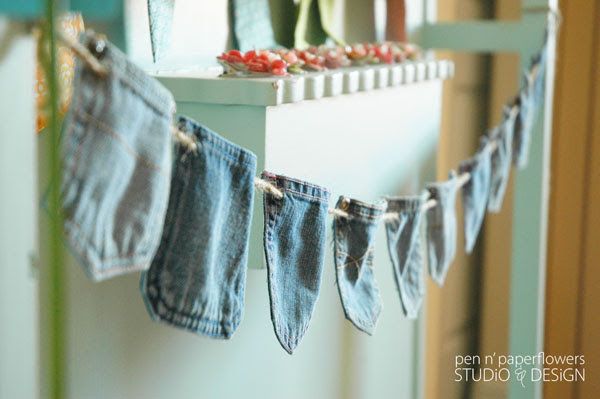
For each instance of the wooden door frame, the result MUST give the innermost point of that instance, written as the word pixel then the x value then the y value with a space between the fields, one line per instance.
pixel 573 236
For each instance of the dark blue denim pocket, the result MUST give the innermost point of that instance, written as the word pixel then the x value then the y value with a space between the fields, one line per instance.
pixel 294 239
pixel 198 277
pixel 441 227
pixel 475 193
pixel 404 245
pixel 354 236
pixel 501 160
pixel 116 152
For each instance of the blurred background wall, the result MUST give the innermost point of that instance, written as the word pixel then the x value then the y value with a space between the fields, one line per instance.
pixel 19 327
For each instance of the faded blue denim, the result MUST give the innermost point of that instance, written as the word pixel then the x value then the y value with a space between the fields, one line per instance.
pixel 501 160
pixel 441 227
pixel 354 248
pixel 404 246
pixel 530 101
pixel 294 240
pixel 523 125
pixel 539 62
pixel 116 154
pixel 160 18
pixel 475 193
pixel 198 277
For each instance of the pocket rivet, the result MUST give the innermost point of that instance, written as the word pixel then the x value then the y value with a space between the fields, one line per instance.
pixel 345 203
pixel 99 46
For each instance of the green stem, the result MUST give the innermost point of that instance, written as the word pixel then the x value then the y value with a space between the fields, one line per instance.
pixel 56 353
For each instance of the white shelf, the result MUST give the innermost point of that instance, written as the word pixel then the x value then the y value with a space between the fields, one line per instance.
pixel 190 86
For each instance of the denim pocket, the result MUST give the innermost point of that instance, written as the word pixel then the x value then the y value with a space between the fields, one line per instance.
pixel 294 239
pixel 539 66
pixel 501 160
pixel 404 245
pixel 441 227
pixel 475 193
pixel 116 153
pixel 198 277
pixel 523 126
pixel 354 237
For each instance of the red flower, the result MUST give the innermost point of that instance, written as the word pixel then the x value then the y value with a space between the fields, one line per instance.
pixel 249 56
pixel 278 64
pixel 232 56
pixel 279 71
pixel 383 53
pixel 258 65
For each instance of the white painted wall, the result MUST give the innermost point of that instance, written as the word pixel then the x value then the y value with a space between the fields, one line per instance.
pixel 18 215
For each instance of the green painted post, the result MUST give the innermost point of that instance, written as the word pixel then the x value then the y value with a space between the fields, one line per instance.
pixel 529 235
pixel 530 208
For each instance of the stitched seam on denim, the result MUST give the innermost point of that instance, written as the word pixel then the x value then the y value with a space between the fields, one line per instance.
pixel 168 237
pixel 75 151
pixel 126 81
pixel 361 204
pixel 70 224
pixel 113 271
pixel 100 271
pixel 358 321
pixel 302 183
pixel 187 173
pixel 360 207
pixel 271 210
pixel 220 145
pixel 409 302
pixel 337 241
pixel 414 245
pixel 196 317
pixel 282 183
pixel 220 330
pixel 123 71
pixel 357 262
pixel 228 157
pixel 71 176
pixel 306 196
pixel 154 283
pixel 410 211
pixel 145 89
pixel 348 314
pixel 294 339
pixel 359 215
pixel 200 312
pixel 341 255
pixel 71 148
pixel 110 131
